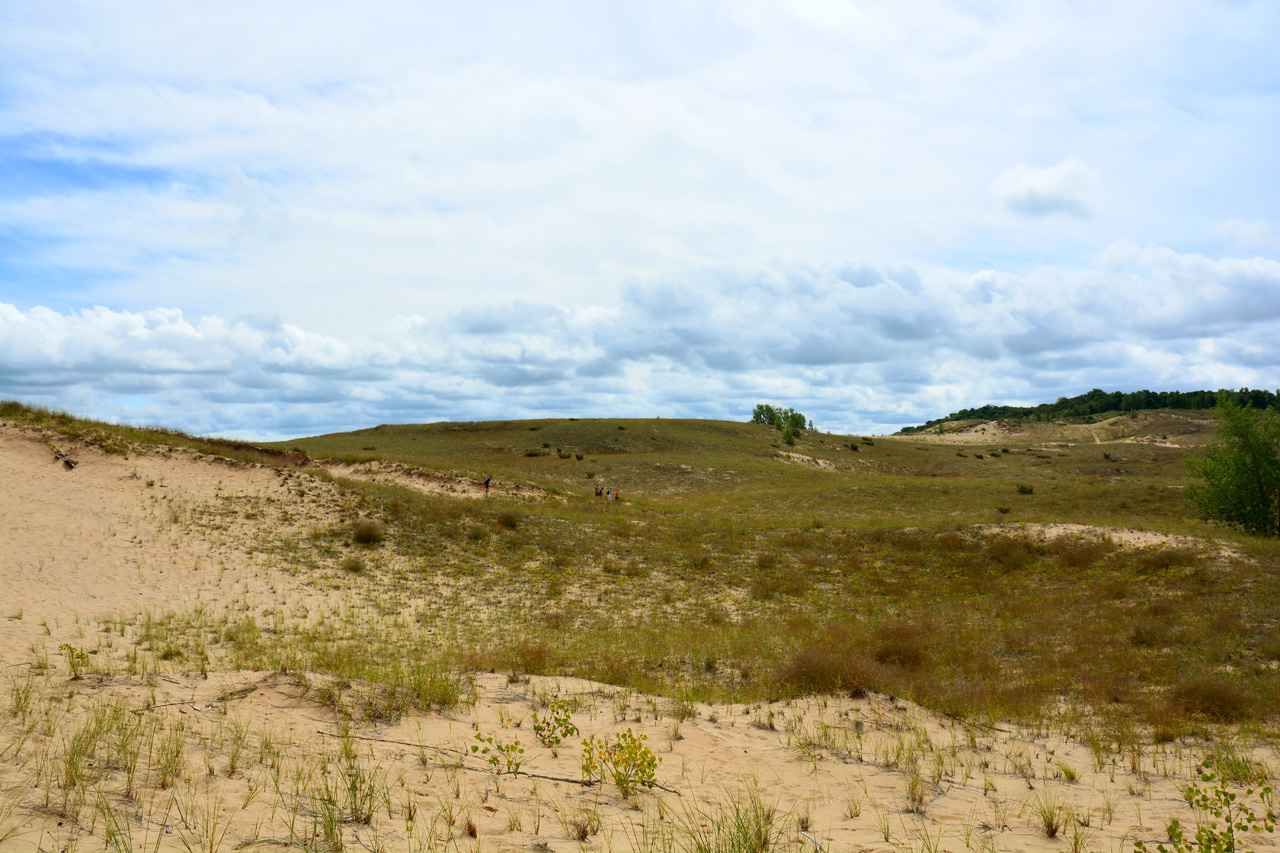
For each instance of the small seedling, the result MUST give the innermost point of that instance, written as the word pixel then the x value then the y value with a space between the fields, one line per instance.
pixel 502 757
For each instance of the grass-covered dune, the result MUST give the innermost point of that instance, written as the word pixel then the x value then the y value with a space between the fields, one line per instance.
pixel 212 645
pixel 1000 571
pixel 930 567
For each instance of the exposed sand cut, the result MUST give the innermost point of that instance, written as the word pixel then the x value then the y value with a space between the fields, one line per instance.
pixel 429 482
pixel 802 459
pixel 1164 429
pixel 257 751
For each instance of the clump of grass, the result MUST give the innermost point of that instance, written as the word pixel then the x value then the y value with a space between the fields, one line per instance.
pixel 1212 697
pixel 352 564
pixel 743 825
pixel 1231 764
pixel 508 520
pixel 1050 813
pixel 900 645
pixel 367 532
pixel 815 669
pixel 790 583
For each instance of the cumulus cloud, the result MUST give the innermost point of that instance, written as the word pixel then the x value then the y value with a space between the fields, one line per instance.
pixel 427 155
pixel 494 209
pixel 1065 188
pixel 861 347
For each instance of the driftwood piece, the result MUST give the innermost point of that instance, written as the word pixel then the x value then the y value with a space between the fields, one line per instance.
pixel 67 461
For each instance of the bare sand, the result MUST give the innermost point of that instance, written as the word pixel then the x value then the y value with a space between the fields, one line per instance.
pixel 85 545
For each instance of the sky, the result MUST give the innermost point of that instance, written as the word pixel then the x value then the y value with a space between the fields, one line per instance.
pixel 269 220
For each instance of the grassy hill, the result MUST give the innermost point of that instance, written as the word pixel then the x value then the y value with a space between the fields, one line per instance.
pixel 934 567
pixel 1125 471
pixel 739 566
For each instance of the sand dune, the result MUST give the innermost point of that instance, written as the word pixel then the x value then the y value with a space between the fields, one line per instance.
pixel 86 550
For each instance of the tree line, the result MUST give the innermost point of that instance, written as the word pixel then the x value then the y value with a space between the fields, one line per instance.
pixel 1098 402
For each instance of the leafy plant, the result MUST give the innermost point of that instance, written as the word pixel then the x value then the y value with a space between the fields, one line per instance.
pixel 552 729
pixel 77 659
pixel 502 757
pixel 1242 473
pixel 624 760
pixel 1229 815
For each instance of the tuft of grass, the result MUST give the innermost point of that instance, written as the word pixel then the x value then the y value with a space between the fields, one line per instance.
pixel 745 824
pixel 367 532
pixel 1214 698
pixel 1049 812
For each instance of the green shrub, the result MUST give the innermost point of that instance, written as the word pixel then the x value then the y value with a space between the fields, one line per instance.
pixel 1219 803
pixel 1242 472
pixel 624 760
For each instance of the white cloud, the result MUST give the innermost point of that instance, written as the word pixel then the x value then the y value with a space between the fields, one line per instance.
pixel 493 208
pixel 860 347
pixel 1064 188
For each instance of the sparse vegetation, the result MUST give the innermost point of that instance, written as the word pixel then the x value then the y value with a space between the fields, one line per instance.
pixel 729 578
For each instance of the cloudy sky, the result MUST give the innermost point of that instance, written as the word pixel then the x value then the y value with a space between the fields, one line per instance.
pixel 276 219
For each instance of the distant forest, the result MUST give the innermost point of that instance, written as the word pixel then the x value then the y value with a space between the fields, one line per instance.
pixel 1098 402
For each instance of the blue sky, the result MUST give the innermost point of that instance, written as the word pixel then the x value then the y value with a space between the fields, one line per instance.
pixel 267 220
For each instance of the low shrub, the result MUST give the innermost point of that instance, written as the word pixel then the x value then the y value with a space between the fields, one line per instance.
pixel 368 532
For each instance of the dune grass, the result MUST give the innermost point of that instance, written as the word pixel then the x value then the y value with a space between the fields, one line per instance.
pixel 728 576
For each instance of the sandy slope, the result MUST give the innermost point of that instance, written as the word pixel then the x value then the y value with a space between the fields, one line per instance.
pixel 108 539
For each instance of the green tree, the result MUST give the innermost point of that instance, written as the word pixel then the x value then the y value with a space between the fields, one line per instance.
pixel 1241 472
pixel 764 414
pixel 780 419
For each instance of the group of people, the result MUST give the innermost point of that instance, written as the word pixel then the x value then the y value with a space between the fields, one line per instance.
pixel 608 494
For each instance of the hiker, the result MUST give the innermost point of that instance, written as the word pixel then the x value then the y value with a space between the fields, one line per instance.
pixel 486 484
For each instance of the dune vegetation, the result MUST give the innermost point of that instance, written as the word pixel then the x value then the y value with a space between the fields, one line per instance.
pixel 993 582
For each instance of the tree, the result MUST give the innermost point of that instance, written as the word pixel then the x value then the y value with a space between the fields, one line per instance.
pixel 780 419
pixel 764 414
pixel 1241 472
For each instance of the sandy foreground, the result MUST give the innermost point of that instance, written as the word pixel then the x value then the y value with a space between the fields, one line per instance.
pixel 255 760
